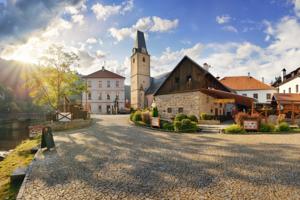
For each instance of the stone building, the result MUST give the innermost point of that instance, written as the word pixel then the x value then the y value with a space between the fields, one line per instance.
pixel 188 88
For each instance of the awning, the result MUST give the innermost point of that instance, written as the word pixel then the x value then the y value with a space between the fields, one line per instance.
pixel 238 99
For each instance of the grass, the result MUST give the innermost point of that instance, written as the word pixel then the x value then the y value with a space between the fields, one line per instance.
pixel 18 158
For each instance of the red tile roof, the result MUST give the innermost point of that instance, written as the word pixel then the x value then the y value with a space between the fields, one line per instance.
pixel 103 73
pixel 244 83
pixel 283 97
pixel 239 99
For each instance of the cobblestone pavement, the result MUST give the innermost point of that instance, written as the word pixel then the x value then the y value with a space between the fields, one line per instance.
pixel 114 160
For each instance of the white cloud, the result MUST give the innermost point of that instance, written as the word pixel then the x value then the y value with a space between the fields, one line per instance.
pixel 91 40
pixel 146 24
pixel 223 19
pixel 79 19
pixel 230 28
pixel 100 54
pixel 297 7
pixel 103 12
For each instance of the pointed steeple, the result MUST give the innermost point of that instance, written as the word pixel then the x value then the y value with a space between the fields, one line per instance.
pixel 140 44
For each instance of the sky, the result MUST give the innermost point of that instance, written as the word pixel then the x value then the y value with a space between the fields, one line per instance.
pixel 233 36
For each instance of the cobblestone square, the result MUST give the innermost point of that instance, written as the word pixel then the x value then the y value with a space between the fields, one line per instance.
pixel 115 160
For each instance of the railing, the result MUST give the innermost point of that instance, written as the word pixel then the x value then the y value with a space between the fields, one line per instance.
pixel 22 116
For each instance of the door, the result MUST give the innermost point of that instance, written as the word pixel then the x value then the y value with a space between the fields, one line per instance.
pixel 108 109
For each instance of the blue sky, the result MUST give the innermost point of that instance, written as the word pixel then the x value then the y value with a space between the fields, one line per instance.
pixel 234 36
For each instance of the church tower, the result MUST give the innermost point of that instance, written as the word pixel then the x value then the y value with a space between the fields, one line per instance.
pixel 140 72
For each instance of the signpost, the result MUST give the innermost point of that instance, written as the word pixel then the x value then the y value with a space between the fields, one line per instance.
pixel 251 125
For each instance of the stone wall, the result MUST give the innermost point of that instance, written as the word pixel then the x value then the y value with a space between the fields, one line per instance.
pixel 192 103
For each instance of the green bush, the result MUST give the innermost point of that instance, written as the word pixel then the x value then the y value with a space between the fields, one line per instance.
pixel 177 125
pixel 180 117
pixel 155 112
pixel 131 116
pixel 234 129
pixel 266 127
pixel 167 126
pixel 283 126
pixel 146 117
pixel 193 118
pixel 204 116
pixel 137 116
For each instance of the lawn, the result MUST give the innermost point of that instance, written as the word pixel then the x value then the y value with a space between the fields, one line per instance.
pixel 19 157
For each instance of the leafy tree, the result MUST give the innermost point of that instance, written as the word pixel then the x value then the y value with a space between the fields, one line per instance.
pixel 7 101
pixel 55 79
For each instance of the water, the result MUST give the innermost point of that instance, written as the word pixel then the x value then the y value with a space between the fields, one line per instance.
pixel 12 133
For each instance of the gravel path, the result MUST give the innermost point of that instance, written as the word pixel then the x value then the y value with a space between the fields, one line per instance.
pixel 114 160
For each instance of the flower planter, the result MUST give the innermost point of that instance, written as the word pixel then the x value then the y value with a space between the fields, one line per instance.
pixel 155 122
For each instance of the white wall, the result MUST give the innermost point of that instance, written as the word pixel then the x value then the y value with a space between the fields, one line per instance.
pixel 96 90
pixel 291 84
pixel 262 94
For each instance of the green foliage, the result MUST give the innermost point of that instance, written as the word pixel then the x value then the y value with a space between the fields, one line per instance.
pixel 266 127
pixel 180 117
pixel 193 118
pixel 155 112
pixel 131 116
pixel 235 128
pixel 204 116
pixel 283 127
pixel 49 84
pixel 186 125
pixel 167 125
pixel 146 117
pixel 137 116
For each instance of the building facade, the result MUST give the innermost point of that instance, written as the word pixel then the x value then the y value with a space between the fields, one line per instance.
pixel 250 87
pixel 106 92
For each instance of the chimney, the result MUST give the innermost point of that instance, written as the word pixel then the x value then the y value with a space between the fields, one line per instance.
pixel 283 73
pixel 263 79
pixel 206 66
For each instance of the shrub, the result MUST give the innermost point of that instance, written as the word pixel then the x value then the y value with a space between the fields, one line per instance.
pixel 235 128
pixel 132 110
pixel 193 118
pixel 137 116
pixel 264 127
pixel 177 125
pixel 146 117
pixel 131 116
pixel 155 112
pixel 283 126
pixel 167 126
pixel 240 117
pixel 180 117
pixel 204 116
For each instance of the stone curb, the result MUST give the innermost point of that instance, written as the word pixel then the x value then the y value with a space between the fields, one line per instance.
pixel 29 169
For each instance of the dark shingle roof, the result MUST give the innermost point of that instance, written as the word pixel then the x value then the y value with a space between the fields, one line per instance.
pixel 140 43
pixel 156 82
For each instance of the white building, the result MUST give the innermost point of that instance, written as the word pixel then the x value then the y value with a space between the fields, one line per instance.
pixel 290 83
pixel 250 87
pixel 106 92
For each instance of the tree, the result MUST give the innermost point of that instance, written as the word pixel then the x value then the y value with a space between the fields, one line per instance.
pixel 7 101
pixel 55 79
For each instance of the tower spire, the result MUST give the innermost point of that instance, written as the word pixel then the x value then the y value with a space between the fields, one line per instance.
pixel 140 43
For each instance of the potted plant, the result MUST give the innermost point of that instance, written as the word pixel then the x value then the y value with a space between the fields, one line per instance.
pixel 155 120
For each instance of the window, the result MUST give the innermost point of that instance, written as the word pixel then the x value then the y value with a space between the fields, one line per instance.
pixel 180 110
pixel 100 96
pixel 189 81
pixel 169 110
pixel 144 60
pixel 255 96
pixel 100 108
pixel 108 84
pixel 244 94
pixel 283 91
pixel 133 60
pixel 268 96
pixel 297 88
pixel 108 97
pixel 100 84
pixel 89 96
pixel 89 84
pixel 117 83
pixel 290 91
